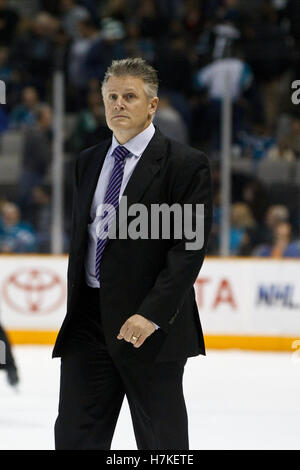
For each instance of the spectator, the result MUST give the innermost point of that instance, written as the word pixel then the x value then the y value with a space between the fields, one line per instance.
pixel 257 144
pixel 282 245
pixel 16 236
pixel 268 51
pixel 9 20
pixel 98 129
pixel 6 74
pixel 36 156
pixel 71 15
pixel 275 214
pixel 170 8
pixel 88 33
pixel 152 25
pixel 170 122
pixel 40 217
pixel 33 52
pixel 292 12
pixel 242 222
pixel 90 126
pixel 50 6
pixel 3 121
pixel 213 78
pixel 77 77
pixel 115 9
pixel 172 59
pixel 6 69
pixel 262 233
pixel 174 65
pixel 11 76
pixel 108 46
pixel 214 239
pixel 93 7
pixel 230 11
pixel 193 18
pixel 225 34
pixel 265 38
pixel 288 147
pixel 253 193
pixel 23 114
pixel 136 45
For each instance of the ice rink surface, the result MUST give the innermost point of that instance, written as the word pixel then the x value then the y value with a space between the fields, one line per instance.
pixel 235 400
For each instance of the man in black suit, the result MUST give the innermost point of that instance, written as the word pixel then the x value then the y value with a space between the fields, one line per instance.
pixel 132 320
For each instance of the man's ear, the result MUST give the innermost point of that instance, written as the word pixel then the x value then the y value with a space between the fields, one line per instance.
pixel 153 105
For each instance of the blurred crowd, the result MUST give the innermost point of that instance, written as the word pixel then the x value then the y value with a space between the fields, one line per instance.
pixel 193 44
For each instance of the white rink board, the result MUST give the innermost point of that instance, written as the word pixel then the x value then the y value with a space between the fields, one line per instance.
pixel 235 296
pixel 249 297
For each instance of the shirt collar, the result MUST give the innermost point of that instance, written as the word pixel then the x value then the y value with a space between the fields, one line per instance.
pixel 138 143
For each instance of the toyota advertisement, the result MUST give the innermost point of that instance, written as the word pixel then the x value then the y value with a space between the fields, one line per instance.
pixel 238 296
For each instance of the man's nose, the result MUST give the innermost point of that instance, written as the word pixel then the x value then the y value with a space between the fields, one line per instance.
pixel 119 104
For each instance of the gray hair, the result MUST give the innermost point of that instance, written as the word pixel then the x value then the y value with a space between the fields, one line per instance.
pixel 136 67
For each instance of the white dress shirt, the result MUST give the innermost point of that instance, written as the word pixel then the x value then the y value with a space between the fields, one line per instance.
pixel 136 146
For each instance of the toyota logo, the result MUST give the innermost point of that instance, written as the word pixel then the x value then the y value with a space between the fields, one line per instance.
pixel 34 290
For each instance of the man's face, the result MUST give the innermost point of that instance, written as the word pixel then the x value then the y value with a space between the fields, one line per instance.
pixel 128 109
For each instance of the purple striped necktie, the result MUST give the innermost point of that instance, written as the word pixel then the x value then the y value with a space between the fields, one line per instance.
pixel 112 198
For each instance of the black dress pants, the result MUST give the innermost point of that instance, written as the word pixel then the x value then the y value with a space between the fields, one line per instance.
pixel 93 387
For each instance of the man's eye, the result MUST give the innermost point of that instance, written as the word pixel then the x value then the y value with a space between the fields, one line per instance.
pixel 112 97
pixel 130 95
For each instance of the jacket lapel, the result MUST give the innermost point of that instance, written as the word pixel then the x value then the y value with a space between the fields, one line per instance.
pixel 93 167
pixel 145 170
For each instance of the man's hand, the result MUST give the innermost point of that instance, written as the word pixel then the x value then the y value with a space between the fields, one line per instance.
pixel 136 329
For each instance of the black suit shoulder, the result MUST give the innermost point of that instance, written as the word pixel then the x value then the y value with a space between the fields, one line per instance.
pixel 85 156
pixel 185 154
pixel 186 164
pixel 85 153
pixel 185 170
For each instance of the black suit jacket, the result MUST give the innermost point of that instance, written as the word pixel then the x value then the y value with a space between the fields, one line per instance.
pixel 151 277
